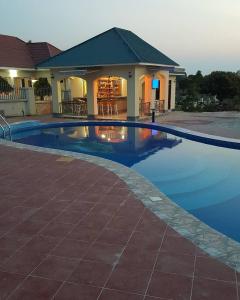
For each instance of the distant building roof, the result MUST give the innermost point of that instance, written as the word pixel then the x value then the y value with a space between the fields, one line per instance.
pixel 42 51
pixel 15 53
pixel 113 47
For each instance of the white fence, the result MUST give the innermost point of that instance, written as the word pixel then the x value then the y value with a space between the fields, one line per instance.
pixel 18 102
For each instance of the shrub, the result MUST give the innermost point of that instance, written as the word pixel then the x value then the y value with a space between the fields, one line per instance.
pixel 5 87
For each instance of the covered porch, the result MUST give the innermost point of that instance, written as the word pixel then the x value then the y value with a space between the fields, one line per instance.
pixel 111 93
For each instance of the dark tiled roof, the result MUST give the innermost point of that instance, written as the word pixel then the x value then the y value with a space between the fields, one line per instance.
pixel 15 53
pixel 41 51
pixel 113 47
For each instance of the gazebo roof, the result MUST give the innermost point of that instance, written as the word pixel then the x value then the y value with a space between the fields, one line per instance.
pixel 113 47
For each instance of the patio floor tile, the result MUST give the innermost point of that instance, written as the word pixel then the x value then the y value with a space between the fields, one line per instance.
pixel 103 209
pixel 76 292
pixel 10 244
pixel 71 248
pixel 104 253
pixel 70 217
pixel 23 262
pixel 175 263
pixel 148 242
pixel 45 214
pixel 26 229
pixel 138 258
pixel 57 229
pixel 209 268
pixel 110 236
pixel 108 294
pixel 128 280
pixel 8 282
pixel 123 223
pixel 96 222
pixel 178 245
pixel 90 272
pixel 206 289
pixel 170 286
pixel 149 224
pixel 36 288
pixel 109 199
pixel 41 244
pixel 57 268
pixel 83 207
pixel 83 233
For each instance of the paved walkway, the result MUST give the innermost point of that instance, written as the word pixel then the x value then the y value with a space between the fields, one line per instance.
pixel 226 124
pixel 73 230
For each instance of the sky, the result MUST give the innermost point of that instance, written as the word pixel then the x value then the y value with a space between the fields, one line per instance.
pixel 198 34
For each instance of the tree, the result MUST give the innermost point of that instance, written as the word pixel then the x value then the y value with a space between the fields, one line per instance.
pixel 5 87
pixel 191 85
pixel 224 85
pixel 42 88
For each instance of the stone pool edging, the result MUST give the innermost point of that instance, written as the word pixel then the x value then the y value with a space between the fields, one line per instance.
pixel 206 238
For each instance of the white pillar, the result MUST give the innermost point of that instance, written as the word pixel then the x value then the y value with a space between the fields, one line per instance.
pixel 133 97
pixel 92 106
pixel 56 96
pixel 166 83
pixel 173 93
pixel 31 105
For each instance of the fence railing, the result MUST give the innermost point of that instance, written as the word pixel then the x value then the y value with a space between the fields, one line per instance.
pixel 145 107
pixel 14 94
pixel 73 108
pixel 159 105
pixel 66 95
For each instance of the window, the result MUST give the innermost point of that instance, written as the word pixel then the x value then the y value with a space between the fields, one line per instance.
pixel 23 82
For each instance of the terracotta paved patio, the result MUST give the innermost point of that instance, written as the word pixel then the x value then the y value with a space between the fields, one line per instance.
pixel 72 230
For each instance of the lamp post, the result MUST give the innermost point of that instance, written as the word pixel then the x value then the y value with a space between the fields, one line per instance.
pixel 153 115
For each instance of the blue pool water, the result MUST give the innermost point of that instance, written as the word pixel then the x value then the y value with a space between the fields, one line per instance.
pixel 203 179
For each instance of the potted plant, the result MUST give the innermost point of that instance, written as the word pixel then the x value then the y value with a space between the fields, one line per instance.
pixel 42 88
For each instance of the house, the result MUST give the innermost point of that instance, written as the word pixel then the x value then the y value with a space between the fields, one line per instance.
pixel 114 74
pixel 18 60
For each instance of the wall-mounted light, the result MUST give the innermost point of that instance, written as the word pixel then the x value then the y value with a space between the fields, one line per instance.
pixel 129 74
pixel 13 73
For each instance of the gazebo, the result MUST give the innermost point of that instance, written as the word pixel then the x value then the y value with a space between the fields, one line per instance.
pixel 115 74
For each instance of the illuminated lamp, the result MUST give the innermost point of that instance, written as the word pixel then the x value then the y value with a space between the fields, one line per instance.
pixel 13 73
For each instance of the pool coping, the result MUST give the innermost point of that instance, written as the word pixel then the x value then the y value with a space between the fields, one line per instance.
pixel 206 238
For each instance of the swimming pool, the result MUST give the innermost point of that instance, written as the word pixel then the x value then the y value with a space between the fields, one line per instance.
pixel 201 178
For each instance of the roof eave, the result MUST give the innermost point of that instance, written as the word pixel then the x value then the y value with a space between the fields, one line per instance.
pixel 18 68
pixel 108 65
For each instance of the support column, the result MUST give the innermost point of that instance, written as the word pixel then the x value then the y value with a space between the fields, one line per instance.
pixel 166 82
pixel 31 105
pixel 173 93
pixel 133 98
pixel 92 106
pixel 56 96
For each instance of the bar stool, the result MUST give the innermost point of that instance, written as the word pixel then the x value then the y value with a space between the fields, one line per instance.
pixel 104 109
pixel 80 109
pixel 114 109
